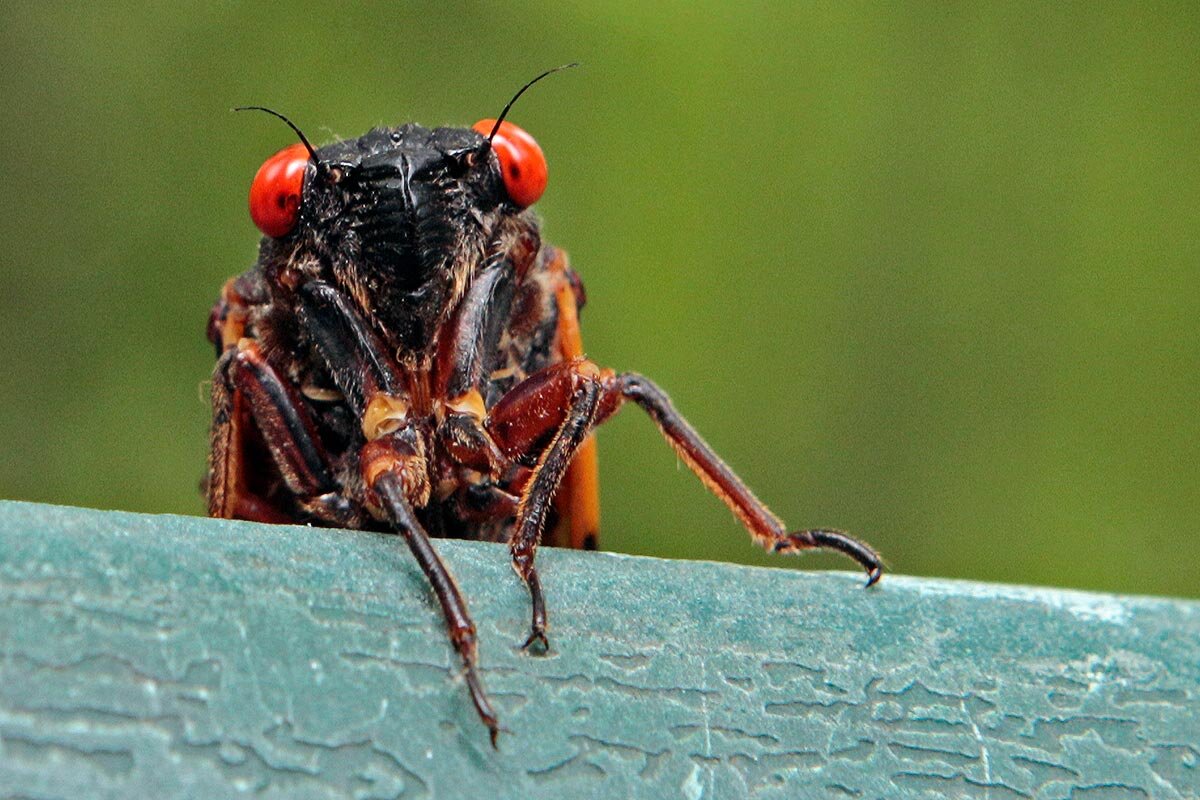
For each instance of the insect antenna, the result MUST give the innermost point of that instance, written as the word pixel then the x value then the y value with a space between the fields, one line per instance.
pixel 521 91
pixel 304 139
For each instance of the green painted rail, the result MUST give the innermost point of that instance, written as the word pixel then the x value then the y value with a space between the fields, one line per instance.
pixel 162 656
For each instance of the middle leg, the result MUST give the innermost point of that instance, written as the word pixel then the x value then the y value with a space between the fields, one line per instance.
pixel 563 403
pixel 551 413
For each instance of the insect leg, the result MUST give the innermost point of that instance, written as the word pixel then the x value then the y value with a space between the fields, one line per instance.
pixel 561 401
pixel 393 467
pixel 470 348
pixel 465 367
pixel 248 388
pixel 465 360
pixel 764 527
pixel 393 461
pixel 355 356
pixel 225 484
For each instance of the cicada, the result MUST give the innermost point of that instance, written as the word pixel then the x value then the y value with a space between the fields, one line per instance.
pixel 405 356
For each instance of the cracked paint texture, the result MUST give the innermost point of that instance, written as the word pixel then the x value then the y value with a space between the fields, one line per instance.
pixel 161 656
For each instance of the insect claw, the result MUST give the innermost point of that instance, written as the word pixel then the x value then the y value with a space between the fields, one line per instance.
pixel 494 731
pixel 536 637
pixel 861 552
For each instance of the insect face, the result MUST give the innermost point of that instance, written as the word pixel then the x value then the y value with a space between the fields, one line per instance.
pixel 399 217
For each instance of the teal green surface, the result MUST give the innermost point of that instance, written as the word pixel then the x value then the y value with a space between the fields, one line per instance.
pixel 927 272
pixel 167 656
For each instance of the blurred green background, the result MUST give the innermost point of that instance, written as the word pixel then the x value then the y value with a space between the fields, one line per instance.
pixel 927 272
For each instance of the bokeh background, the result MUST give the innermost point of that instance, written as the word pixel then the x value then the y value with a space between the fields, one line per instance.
pixel 928 272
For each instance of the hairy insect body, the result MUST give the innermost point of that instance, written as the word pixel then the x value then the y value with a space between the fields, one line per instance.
pixel 405 356
pixel 443 393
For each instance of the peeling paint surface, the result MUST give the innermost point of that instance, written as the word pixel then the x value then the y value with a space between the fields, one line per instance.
pixel 145 656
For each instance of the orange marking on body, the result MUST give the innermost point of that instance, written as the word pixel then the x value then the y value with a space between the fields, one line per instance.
pixel 570 339
pixel 582 483
pixel 470 403
pixel 383 415
pixel 225 471
pixel 578 499
pixel 234 325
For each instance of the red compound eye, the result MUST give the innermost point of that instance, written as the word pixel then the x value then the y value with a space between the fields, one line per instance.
pixel 275 193
pixel 521 161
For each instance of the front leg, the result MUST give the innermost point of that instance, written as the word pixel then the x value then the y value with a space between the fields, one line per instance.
pixel 393 463
pixel 551 413
pixel 468 350
pixel 395 469
pixel 248 391
pixel 355 356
